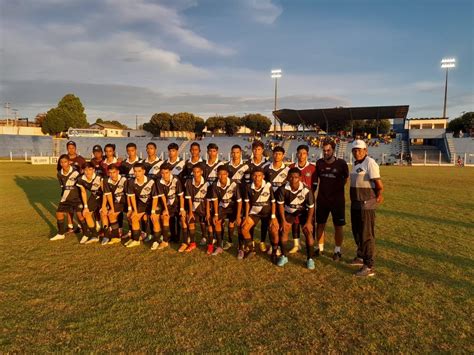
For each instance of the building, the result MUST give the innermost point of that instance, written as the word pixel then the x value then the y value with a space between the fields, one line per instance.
pixel 112 131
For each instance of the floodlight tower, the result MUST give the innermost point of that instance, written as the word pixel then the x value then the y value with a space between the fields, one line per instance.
pixel 276 74
pixel 447 63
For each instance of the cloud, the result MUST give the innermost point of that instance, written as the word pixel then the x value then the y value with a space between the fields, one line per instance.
pixel 264 11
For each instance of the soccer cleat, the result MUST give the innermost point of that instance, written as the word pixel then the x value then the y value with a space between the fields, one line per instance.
pixel 203 242
pixel 357 261
pixel 310 264
pixel 282 261
pixel 182 248
pixel 337 256
pixel 218 251
pixel 104 241
pixel 263 247
pixel 148 238
pixel 191 247
pixel 295 249
pixel 163 245
pixel 84 239
pixel 133 243
pixel 240 255
pixel 227 246
pixel 92 240
pixel 365 271
pixel 210 249
pixel 127 242
pixel 57 237
pixel 113 241
pixel 154 246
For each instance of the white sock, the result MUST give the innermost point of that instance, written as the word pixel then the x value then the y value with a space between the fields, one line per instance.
pixel 70 226
pixel 337 249
pixel 321 247
pixel 296 242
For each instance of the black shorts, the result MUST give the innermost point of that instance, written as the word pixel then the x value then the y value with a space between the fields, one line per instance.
pixel 119 207
pixel 255 218
pixel 68 206
pixel 338 213
pixel 198 218
pixel 296 219
pixel 230 214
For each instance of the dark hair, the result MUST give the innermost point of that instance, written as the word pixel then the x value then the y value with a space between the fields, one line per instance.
pixel 151 143
pixel 257 144
pixel 166 166
pixel 257 169
pixel 70 143
pixel 139 165
pixel 173 146
pixel 195 144
pixel 222 168
pixel 109 145
pixel 212 146
pixel 279 149
pixel 113 167
pixel 62 156
pixel 329 142
pixel 88 165
pixel 294 170
pixel 199 165
pixel 302 147
pixel 131 145
pixel 236 146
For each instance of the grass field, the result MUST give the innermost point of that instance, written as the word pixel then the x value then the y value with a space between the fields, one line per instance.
pixel 62 296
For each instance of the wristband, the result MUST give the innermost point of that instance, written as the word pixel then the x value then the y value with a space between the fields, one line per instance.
pixel 273 216
pixel 181 209
pixel 216 214
pixel 85 206
pixel 129 208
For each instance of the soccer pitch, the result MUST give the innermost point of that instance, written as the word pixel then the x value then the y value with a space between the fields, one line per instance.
pixel 62 296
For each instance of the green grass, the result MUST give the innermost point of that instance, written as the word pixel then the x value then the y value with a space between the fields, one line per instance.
pixel 57 296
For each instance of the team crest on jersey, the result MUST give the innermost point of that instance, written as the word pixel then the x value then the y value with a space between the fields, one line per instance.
pixel 308 174
pixel 147 189
pixel 178 168
pixel 265 194
pixel 359 170
pixel 300 197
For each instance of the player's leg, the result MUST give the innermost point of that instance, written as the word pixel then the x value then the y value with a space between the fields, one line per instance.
pixel 308 234
pixel 339 220
pixel 322 214
pixel 104 219
pixel 114 226
pixel 368 243
pixel 263 235
pixel 60 221
pixel 218 227
pixel 247 226
pixel 284 231
pixel 165 231
pixel 275 240
pixel 156 227
pixel 136 220
pixel 357 227
pixel 296 233
pixel 191 238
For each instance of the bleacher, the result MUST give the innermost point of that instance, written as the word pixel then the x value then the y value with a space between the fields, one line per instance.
pixel 432 153
pixel 17 146
pixel 465 149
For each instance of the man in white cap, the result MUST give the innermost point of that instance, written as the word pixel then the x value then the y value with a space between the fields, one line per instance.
pixel 366 194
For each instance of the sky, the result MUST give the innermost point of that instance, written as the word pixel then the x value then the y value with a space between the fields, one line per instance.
pixel 137 57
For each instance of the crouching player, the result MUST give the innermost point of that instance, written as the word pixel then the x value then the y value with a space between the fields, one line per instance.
pixel 295 201
pixel 143 196
pixel 115 189
pixel 196 190
pixel 92 183
pixel 224 195
pixel 259 206
pixel 70 199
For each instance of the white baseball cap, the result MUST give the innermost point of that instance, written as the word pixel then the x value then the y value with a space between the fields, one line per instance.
pixel 358 143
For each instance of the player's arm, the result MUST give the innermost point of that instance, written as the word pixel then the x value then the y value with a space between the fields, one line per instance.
pixel 84 197
pixel 379 190
pixel 273 217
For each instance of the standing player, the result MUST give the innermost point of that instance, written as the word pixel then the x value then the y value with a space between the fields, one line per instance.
pixel 92 183
pixel 259 205
pixel 276 174
pixel 98 160
pixel 309 178
pixel 332 173
pixel 70 199
pixel 170 193
pixel 126 168
pixel 110 158
pixel 196 190
pixel 225 198
pixel 77 161
pixel 152 162
pixel 195 158
pixel 366 194
pixel 295 200
pixel 143 200
pixel 115 190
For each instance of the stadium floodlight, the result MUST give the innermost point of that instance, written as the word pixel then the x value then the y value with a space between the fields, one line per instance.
pixel 447 63
pixel 276 74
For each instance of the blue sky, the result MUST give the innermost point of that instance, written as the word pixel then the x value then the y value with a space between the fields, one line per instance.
pixel 128 57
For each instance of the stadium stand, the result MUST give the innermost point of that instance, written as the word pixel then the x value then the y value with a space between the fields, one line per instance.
pixel 19 145
pixel 464 148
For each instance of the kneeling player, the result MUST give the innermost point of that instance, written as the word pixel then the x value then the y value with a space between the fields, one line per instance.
pixel 196 190
pixel 295 201
pixel 143 196
pixel 115 189
pixel 70 199
pixel 91 182
pixel 227 204
pixel 259 205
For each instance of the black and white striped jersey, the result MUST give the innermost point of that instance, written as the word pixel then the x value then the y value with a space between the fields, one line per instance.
pixel 237 172
pixel 276 176
pixel 227 196
pixel 93 185
pixel 210 171
pixel 296 201
pixel 197 194
pixel 118 189
pixel 188 169
pixel 260 200
pixel 252 165
pixel 171 190
pixel 68 181
pixel 177 167
pixel 144 192
pixel 126 168
pixel 153 167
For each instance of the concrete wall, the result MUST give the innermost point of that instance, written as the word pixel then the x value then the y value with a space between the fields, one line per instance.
pixel 21 130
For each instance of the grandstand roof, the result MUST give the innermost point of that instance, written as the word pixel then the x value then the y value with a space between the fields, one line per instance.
pixel 322 116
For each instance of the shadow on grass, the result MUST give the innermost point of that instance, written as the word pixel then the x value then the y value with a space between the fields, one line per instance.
pixel 417 217
pixel 39 191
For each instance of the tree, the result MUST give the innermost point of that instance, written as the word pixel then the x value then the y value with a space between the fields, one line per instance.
pixel 215 123
pixel 257 123
pixel 199 125
pixel 112 122
pixel 232 125
pixel 183 121
pixel 158 122
pixel 39 119
pixel 462 123
pixel 55 121
pixel 76 118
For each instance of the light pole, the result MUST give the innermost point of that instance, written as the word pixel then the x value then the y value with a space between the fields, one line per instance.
pixel 276 73
pixel 447 63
